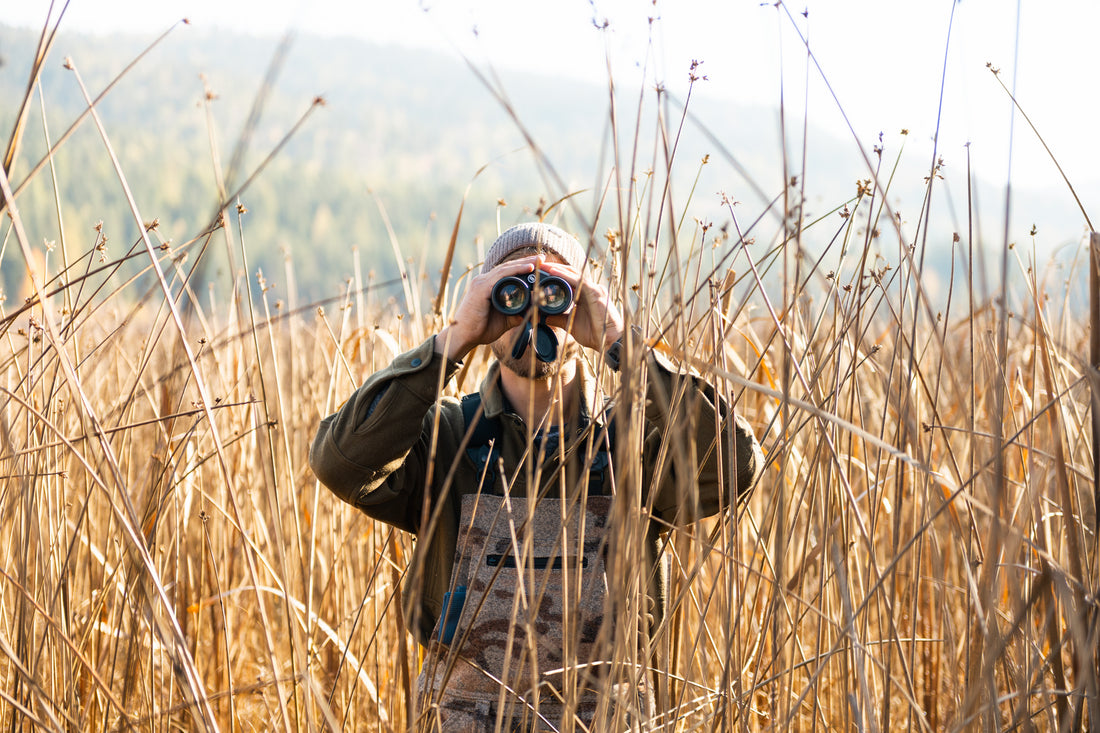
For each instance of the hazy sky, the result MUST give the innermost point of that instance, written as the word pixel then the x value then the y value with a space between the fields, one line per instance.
pixel 884 59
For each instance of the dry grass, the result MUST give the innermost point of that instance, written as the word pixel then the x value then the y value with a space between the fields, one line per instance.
pixel 921 553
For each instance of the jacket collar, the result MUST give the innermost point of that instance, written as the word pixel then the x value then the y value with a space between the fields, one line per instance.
pixel 494 403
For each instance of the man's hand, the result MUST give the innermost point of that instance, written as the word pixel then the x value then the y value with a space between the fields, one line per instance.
pixel 594 322
pixel 476 321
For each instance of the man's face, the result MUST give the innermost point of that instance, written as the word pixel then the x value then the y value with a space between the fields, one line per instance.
pixel 527 365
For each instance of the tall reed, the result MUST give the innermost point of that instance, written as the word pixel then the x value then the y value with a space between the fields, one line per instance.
pixel 920 553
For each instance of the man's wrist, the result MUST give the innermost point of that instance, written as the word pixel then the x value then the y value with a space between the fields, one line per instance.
pixel 450 345
pixel 612 336
pixel 615 352
pixel 613 355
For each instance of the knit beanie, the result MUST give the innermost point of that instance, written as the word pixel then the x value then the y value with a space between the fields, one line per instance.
pixel 545 237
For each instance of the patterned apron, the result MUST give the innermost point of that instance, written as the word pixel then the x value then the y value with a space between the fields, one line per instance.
pixel 515 646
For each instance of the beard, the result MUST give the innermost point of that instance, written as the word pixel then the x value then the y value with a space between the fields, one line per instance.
pixel 528 365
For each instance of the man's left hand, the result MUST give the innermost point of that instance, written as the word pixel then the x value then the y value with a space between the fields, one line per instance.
pixel 594 322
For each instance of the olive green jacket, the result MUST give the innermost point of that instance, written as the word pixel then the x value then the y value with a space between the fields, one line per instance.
pixel 397 451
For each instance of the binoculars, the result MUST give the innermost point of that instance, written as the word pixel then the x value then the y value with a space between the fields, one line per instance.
pixel 550 295
pixel 512 295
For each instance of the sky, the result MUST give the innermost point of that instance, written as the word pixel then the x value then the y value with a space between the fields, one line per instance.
pixel 876 65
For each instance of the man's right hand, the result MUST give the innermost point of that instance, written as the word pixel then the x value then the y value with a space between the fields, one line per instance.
pixel 476 321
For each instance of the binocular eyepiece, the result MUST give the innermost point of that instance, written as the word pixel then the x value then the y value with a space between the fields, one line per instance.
pixel 513 295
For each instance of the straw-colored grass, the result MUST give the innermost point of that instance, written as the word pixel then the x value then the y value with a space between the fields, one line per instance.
pixel 920 553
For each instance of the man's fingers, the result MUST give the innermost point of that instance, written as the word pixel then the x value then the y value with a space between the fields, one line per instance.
pixel 511 267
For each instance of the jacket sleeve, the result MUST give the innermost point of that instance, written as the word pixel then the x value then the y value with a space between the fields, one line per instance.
pixel 374 451
pixel 701 457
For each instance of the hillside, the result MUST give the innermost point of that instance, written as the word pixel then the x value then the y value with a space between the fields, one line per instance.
pixel 400 130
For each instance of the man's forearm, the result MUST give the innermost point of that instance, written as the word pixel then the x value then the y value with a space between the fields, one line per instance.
pixel 453 344
pixel 725 452
pixel 357 447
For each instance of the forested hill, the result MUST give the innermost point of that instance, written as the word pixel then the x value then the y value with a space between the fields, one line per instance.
pixel 400 129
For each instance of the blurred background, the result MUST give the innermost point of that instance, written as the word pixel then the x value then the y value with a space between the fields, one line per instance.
pixel 421 96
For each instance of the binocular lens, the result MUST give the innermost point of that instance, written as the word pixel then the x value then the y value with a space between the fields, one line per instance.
pixel 554 296
pixel 510 296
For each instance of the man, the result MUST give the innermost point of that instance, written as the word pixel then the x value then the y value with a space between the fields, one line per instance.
pixel 510 493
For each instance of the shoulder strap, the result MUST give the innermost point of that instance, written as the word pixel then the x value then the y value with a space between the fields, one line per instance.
pixel 484 429
pixel 599 476
pixel 609 421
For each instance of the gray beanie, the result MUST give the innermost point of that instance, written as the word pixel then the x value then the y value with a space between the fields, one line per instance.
pixel 536 234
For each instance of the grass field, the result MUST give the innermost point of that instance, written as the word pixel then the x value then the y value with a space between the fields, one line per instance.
pixel 921 552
